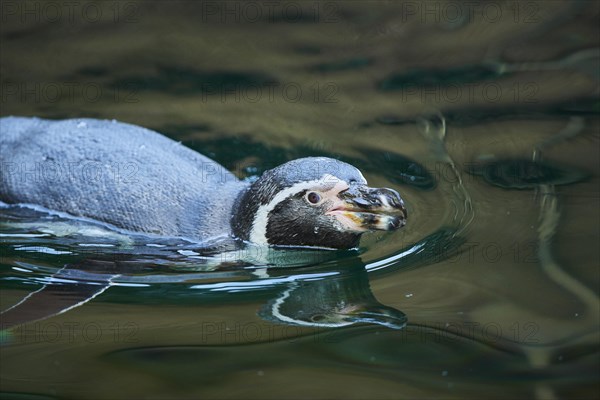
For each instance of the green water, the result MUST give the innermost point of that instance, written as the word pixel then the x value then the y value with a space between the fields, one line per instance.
pixel 486 122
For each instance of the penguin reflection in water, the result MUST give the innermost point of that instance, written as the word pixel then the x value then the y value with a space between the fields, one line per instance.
pixel 142 182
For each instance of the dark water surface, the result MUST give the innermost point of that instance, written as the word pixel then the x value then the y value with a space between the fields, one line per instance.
pixel 485 118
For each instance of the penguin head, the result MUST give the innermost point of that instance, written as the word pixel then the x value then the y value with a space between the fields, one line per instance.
pixel 316 202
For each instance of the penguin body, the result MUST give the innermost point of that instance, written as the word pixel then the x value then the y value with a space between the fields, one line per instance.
pixel 139 180
pixel 116 173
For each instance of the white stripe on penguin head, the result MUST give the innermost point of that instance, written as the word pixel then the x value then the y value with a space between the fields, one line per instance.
pixel 258 233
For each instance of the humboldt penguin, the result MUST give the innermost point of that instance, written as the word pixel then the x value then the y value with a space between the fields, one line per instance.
pixel 138 180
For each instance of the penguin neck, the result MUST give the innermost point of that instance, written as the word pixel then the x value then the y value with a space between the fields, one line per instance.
pixel 242 214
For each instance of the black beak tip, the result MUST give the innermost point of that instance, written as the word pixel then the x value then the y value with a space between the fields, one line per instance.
pixel 397 222
pixel 404 213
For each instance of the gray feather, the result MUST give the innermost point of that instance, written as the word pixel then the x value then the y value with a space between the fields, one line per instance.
pixel 116 173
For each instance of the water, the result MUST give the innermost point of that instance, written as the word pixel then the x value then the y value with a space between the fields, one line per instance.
pixel 487 127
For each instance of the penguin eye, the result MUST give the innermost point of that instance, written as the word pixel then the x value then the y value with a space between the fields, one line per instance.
pixel 313 197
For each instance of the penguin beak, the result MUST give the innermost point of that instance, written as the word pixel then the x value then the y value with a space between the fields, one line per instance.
pixel 360 208
pixel 381 315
